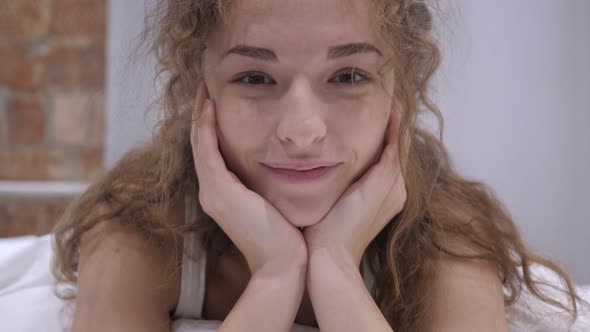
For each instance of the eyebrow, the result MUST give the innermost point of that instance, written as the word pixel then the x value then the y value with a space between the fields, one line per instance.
pixel 267 54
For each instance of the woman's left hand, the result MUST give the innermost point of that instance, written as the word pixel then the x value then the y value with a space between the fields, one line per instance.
pixel 364 209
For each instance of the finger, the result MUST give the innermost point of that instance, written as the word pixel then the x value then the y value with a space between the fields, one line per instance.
pixel 374 175
pixel 388 166
pixel 200 98
pixel 390 151
pixel 202 95
pixel 391 206
pixel 208 159
pixel 392 131
pixel 378 181
pixel 396 198
pixel 374 183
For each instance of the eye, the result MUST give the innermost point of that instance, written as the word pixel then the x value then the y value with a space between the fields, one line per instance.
pixel 350 76
pixel 254 78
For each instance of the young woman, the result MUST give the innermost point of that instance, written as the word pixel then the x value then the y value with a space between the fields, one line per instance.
pixel 290 157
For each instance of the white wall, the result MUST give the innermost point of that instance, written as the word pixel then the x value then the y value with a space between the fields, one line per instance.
pixel 514 90
pixel 130 87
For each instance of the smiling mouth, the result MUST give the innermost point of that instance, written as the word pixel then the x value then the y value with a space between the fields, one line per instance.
pixel 307 176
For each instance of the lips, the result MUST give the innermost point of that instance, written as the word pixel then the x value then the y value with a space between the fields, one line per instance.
pixel 301 176
pixel 300 165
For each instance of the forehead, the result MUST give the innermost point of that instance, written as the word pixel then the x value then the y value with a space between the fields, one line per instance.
pixel 296 25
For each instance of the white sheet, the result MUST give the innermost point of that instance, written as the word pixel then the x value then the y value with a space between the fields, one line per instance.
pixel 27 302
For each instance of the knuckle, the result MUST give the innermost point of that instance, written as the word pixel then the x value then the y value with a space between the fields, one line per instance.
pixel 200 119
pixel 210 164
pixel 206 202
pixel 199 124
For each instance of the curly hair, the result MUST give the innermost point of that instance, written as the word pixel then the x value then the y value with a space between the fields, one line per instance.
pixel 440 203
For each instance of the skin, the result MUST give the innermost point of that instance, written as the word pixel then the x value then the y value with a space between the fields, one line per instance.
pixel 301 115
pixel 303 110
pixel 308 107
pixel 334 245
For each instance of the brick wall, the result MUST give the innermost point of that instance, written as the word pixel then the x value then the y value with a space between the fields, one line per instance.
pixel 30 216
pixel 52 75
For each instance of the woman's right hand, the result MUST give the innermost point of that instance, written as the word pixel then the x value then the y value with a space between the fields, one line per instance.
pixel 261 233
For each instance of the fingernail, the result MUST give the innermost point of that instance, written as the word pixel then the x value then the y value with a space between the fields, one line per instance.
pixel 391 153
pixel 206 106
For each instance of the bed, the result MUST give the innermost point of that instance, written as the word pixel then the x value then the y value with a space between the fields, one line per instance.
pixel 28 303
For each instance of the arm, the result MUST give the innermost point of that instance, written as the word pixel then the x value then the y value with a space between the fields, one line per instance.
pixel 340 298
pixel 121 284
pixel 270 301
pixel 467 296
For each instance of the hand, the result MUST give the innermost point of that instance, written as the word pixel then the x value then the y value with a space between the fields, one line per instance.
pixel 364 209
pixel 260 232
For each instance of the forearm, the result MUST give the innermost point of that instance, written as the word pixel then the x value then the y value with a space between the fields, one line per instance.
pixel 269 303
pixel 341 301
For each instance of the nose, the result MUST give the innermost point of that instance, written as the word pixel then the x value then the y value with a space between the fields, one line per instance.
pixel 301 121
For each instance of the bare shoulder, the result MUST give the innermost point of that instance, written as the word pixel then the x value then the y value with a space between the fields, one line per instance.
pixel 121 276
pixel 467 293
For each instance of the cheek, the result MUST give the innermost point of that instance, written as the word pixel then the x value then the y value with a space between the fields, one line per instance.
pixel 361 120
pixel 240 128
pixel 360 127
pixel 236 116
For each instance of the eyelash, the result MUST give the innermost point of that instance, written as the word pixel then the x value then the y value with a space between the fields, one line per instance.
pixel 267 80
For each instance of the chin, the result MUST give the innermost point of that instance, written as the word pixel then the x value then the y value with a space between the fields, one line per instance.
pixel 301 216
pixel 300 209
pixel 296 222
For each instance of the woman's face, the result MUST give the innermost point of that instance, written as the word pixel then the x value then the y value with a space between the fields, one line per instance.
pixel 281 75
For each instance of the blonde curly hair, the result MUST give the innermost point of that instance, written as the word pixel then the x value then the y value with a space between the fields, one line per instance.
pixel 440 204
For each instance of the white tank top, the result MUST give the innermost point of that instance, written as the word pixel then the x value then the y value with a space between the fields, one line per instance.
pixel 192 285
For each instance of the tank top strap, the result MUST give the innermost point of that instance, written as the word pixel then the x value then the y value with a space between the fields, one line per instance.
pixel 194 262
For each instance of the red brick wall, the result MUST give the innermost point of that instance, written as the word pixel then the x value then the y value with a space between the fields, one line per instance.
pixel 30 216
pixel 52 75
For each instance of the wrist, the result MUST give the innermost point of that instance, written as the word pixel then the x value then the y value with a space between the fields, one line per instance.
pixel 328 263
pixel 282 271
pixel 331 256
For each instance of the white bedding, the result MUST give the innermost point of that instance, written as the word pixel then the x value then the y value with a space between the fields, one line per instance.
pixel 27 302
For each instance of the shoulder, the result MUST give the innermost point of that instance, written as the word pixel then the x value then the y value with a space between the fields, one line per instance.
pixel 115 256
pixel 467 293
